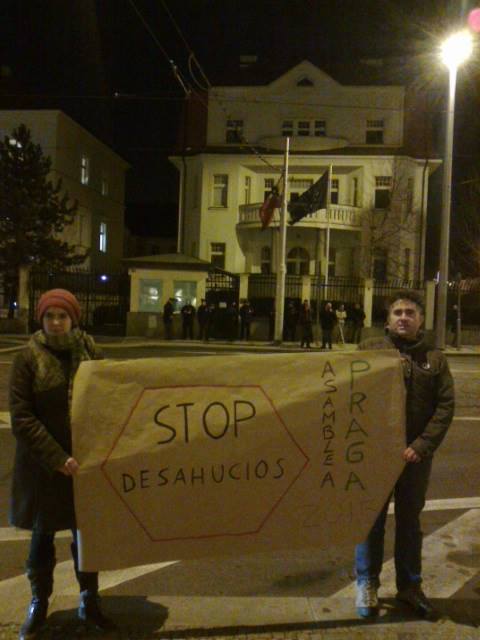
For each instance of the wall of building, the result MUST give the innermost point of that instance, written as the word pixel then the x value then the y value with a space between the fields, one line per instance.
pixel 65 142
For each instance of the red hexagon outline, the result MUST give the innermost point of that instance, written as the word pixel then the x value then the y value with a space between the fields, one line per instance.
pixel 210 535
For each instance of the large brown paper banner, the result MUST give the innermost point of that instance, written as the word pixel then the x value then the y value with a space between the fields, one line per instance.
pixel 189 457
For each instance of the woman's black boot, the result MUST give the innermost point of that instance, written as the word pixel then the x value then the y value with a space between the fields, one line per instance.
pixel 41 582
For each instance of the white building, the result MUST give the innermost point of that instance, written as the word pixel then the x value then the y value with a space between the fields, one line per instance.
pixel 91 173
pixel 372 136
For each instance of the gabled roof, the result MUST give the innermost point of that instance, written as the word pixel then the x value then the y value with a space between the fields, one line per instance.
pixel 363 72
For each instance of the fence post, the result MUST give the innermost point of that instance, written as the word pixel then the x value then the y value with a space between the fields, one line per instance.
pixel 243 289
pixel 429 304
pixel 368 301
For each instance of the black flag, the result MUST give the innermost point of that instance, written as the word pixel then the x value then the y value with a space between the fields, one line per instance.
pixel 312 200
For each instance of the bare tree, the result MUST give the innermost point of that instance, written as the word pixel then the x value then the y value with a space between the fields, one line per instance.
pixel 392 228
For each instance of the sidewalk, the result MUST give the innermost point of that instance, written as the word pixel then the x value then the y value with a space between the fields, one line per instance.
pixel 12 342
pixel 149 617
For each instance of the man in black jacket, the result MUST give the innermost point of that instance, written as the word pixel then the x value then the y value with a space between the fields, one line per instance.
pixel 429 412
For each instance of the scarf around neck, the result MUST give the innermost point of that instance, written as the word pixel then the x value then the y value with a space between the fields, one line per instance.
pixel 49 372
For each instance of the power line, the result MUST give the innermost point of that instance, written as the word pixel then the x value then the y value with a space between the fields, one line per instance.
pixel 176 73
pixel 193 58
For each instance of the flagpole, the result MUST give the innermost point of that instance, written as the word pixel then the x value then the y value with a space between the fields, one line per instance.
pixel 327 242
pixel 281 267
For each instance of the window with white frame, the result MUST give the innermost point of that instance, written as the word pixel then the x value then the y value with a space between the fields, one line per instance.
pixel 297 187
pixel 104 187
pixel 374 132
pixel 234 132
pixel 304 128
pixel 220 190
pixel 383 186
pixel 102 237
pixel 184 291
pixel 248 189
pixel 355 194
pixel 84 170
pixel 287 128
pixel 334 190
pixel 320 128
pixel 266 260
pixel 298 262
pixel 268 183
pixel 150 295
pixel 217 254
pixel 332 261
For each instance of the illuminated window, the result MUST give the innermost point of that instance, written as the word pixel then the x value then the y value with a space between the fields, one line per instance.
pixel 85 170
pixel 248 189
pixel 184 291
pixel 150 295
pixel 102 237
pixel 104 187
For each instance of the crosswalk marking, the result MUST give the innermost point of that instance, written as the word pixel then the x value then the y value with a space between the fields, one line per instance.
pixel 9 534
pixel 442 575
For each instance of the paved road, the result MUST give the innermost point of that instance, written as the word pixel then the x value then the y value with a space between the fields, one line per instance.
pixel 313 591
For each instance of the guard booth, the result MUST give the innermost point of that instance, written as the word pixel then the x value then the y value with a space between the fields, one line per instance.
pixel 156 279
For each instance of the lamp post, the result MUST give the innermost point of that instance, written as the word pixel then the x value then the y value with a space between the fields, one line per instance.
pixel 455 50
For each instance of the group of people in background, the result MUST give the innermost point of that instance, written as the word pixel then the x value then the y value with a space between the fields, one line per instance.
pixel 236 322
pixel 336 324
pixel 330 320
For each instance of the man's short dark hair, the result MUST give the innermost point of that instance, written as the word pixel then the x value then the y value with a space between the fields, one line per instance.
pixel 407 294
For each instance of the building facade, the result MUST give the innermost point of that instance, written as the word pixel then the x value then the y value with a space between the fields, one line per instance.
pixel 371 136
pixel 91 173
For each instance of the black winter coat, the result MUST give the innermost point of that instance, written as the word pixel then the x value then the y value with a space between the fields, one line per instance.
pixel 430 393
pixel 41 496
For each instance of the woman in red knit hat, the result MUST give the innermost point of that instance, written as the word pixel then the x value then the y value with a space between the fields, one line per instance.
pixel 42 488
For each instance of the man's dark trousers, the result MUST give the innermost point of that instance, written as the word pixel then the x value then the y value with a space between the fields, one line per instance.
pixel 410 491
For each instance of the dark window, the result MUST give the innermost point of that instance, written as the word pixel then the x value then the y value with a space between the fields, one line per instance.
pixel 234 131
pixel 374 134
pixel 374 137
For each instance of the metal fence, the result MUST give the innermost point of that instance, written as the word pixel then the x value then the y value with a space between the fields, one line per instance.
pixel 104 297
pixel 346 290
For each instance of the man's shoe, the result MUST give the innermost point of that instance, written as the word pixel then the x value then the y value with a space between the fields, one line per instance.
pixel 367 599
pixel 414 596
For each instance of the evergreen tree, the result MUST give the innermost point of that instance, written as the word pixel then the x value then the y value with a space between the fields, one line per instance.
pixel 33 212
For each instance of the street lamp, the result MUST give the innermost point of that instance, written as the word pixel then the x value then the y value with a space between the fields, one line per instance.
pixel 454 51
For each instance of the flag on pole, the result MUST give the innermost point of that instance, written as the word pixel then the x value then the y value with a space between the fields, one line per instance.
pixel 312 200
pixel 272 202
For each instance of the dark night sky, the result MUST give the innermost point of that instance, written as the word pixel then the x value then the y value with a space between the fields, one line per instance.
pixel 77 55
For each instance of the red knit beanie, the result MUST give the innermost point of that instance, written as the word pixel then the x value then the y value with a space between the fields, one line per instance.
pixel 59 298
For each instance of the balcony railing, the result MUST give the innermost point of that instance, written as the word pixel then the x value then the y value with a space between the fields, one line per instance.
pixel 340 216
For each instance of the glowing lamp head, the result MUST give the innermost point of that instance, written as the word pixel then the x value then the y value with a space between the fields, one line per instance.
pixel 456 49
